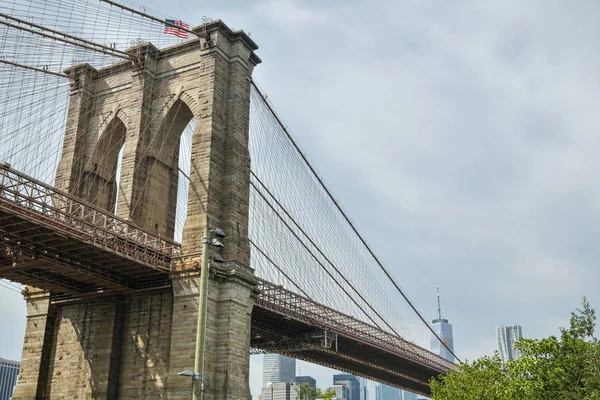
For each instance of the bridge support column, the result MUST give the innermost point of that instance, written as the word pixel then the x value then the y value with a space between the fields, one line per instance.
pixel 36 348
pixel 135 166
pixel 80 342
pixel 229 343
pixel 69 172
pixel 218 198
pixel 227 350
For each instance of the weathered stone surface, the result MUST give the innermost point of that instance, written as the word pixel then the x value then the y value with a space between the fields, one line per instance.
pixel 133 345
pixel 36 347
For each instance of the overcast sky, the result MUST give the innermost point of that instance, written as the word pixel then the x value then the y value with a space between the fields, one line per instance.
pixel 462 137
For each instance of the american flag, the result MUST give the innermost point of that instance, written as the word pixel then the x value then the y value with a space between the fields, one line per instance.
pixel 172 30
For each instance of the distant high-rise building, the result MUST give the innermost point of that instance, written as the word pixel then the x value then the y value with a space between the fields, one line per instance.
pixel 9 371
pixel 279 391
pixel 443 330
pixel 408 395
pixel 351 382
pixel 341 392
pixel 301 380
pixel 385 392
pixel 278 368
pixel 364 394
pixel 507 336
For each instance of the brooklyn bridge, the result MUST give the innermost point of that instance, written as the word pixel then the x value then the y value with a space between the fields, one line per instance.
pixel 164 222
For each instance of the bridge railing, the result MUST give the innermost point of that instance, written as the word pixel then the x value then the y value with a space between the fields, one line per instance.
pixel 290 304
pixel 37 200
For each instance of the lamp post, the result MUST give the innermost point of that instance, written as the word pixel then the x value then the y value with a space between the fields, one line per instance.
pixel 198 374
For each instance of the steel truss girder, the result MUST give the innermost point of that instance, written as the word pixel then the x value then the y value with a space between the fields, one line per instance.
pixel 37 202
pixel 314 340
pixel 85 269
pixel 284 302
pixel 332 365
pixel 291 346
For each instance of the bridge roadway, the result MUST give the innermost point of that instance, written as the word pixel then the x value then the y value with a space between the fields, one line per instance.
pixel 287 323
pixel 56 242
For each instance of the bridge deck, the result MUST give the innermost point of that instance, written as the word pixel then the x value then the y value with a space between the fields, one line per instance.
pixel 287 323
pixel 57 242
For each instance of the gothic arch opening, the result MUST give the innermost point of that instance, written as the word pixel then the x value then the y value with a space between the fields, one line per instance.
pixel 183 185
pixel 100 181
pixel 167 181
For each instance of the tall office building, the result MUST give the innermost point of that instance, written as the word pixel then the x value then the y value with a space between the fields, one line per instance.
pixel 351 382
pixel 279 391
pixel 408 395
pixel 443 330
pixel 364 394
pixel 278 368
pixel 507 336
pixel 385 392
pixel 302 380
pixel 341 392
pixel 9 371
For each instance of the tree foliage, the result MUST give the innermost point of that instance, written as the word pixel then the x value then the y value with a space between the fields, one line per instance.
pixel 565 367
pixel 305 392
pixel 329 394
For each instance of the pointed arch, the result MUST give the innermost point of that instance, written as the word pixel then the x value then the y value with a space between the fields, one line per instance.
pixel 100 179
pixel 183 96
pixel 171 126
pixel 190 101
pixel 159 198
pixel 123 115
pixel 176 113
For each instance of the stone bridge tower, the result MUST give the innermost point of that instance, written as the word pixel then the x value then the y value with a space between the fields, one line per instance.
pixel 133 345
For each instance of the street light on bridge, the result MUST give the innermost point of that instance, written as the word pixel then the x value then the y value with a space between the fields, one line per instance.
pixel 210 239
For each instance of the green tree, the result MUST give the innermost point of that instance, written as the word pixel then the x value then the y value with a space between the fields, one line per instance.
pixel 329 394
pixel 565 367
pixel 305 392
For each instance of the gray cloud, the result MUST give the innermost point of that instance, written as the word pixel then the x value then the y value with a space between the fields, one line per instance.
pixel 469 133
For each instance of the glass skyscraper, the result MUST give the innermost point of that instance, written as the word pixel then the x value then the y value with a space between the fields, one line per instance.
pixel 302 380
pixel 385 392
pixel 443 330
pixel 364 394
pixel 351 382
pixel 278 368
pixel 9 371
pixel 341 392
pixel 507 336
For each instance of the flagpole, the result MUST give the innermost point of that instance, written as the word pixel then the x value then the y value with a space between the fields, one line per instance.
pixel 153 18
